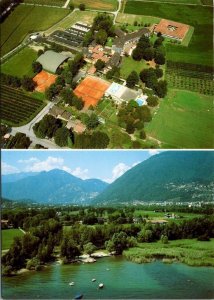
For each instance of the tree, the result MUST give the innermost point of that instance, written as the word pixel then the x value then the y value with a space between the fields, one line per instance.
pixel 118 243
pixel 40 52
pixel 89 248
pixel 88 38
pixel 152 101
pixel 137 54
pixel 77 102
pixel 92 121
pixel 164 239
pixel 67 95
pixel 130 128
pixel 82 6
pixel 47 127
pixel 28 84
pixel 161 88
pixel 37 67
pixel 60 80
pixel 148 53
pixel 68 248
pixel 99 65
pixel 100 140
pixel 159 58
pixel 61 136
pixel 101 37
pixel 142 135
pixel 148 76
pixel 132 79
pixel 158 42
pixel 158 72
pixel 71 6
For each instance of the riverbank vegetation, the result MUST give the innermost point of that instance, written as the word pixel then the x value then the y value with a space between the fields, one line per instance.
pixel 189 251
pixel 68 232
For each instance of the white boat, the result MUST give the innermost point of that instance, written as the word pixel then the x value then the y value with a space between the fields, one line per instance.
pixel 93 280
pixel 71 283
pixel 101 285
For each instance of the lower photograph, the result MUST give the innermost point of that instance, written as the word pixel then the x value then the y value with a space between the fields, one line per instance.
pixel 107 224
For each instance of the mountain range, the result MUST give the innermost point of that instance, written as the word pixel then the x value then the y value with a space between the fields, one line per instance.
pixel 171 175
pixel 53 187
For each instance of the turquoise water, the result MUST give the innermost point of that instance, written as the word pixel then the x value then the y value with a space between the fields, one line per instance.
pixel 122 280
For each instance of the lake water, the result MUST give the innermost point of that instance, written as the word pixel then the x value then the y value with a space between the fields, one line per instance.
pixel 122 280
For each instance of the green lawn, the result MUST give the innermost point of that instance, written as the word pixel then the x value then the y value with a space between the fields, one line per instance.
pixel 21 63
pixel 200 17
pixel 7 236
pixel 131 18
pixel 156 215
pixel 188 251
pixel 26 19
pixel 129 64
pixel 177 1
pixel 183 120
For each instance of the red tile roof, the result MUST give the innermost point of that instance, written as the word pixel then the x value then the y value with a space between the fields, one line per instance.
pixel 173 29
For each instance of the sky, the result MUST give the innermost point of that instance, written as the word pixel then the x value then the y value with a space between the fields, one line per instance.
pixel 104 165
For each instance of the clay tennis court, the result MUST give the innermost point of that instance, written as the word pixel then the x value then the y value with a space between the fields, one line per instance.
pixel 44 80
pixel 91 90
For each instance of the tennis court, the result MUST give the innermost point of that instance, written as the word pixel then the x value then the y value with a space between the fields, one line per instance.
pixel 91 90
pixel 43 80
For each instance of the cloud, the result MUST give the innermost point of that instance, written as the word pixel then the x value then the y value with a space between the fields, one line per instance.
pixel 33 164
pixel 153 152
pixel 27 161
pixel 46 165
pixel 8 169
pixel 78 172
pixel 119 170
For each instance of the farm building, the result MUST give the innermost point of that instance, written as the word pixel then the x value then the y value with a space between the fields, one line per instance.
pixel 121 93
pixel 172 29
pixel 128 38
pixel 91 90
pixel 51 60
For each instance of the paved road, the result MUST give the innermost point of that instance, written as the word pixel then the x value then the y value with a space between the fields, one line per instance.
pixel 66 4
pixel 28 128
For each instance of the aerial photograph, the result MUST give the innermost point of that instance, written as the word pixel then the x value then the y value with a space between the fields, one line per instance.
pixel 95 74
pixel 107 224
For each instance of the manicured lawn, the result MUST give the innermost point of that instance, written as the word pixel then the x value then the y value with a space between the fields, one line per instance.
pixel 108 5
pixel 184 120
pixel 7 236
pixel 189 251
pixel 156 215
pixel 25 19
pixel 200 17
pixel 129 64
pixel 21 63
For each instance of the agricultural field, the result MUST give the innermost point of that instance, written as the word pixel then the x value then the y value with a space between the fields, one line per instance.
pixel 190 77
pixel 15 66
pixel 85 17
pixel 47 2
pixel 185 251
pixel 7 236
pixel 17 107
pixel 196 2
pixel 200 17
pixel 156 215
pixel 26 19
pixel 130 19
pixel 107 5
pixel 183 120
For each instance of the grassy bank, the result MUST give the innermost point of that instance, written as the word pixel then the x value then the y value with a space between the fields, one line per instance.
pixel 7 236
pixel 188 251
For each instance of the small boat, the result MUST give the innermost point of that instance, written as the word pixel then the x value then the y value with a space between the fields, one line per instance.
pixel 93 280
pixel 101 285
pixel 107 269
pixel 80 296
pixel 71 283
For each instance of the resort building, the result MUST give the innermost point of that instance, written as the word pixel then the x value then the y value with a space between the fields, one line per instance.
pixel 51 60
pixel 171 29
